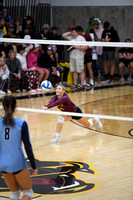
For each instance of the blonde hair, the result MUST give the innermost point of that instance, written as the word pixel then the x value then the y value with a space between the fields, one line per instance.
pixel 61 85
pixel 12 51
pixel 1 58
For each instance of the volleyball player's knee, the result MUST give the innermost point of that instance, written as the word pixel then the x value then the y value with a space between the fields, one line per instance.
pixel 15 195
pixel 28 192
pixel 60 119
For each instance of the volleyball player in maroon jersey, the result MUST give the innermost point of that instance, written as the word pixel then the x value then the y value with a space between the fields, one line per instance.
pixel 63 102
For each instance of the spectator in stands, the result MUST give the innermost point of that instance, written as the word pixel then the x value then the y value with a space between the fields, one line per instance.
pixel 1 33
pixel 16 74
pixel 88 56
pixel 90 28
pixel 109 35
pixel 126 60
pixel 28 23
pixel 62 69
pixel 44 35
pixel 2 25
pixel 10 31
pixel 26 31
pixel 76 56
pixel 4 76
pixel 5 47
pixel 98 29
pixel 55 36
pixel 32 58
pixel 17 25
pixel 1 6
pixel 7 17
pixel 48 60
pixel 31 73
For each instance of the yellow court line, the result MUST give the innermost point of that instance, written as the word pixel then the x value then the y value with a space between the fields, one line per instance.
pixel 82 157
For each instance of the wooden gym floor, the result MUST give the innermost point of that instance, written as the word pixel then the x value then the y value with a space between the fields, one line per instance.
pixel 87 164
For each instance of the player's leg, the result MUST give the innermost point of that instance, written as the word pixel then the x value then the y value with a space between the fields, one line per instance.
pixel 24 180
pixel 89 67
pixel 13 185
pixel 88 123
pixel 121 67
pixel 130 66
pixel 59 127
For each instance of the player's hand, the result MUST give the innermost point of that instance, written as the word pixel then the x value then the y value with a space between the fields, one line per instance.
pixel 35 172
pixel 45 107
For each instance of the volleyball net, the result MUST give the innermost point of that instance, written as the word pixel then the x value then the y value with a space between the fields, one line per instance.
pixel 108 102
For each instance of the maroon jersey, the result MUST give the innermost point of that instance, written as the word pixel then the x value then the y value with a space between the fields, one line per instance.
pixel 64 103
pixel 88 38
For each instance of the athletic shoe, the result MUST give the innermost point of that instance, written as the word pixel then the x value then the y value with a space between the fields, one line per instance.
pixel 122 79
pixel 110 81
pixel 9 91
pixel 91 82
pixel 18 91
pixel 65 84
pixel 104 80
pixel 24 90
pixel 129 78
pixel 32 91
pixel 55 140
pixel 39 90
pixel 74 86
pixel 98 123
pixel 2 92
pixel 87 85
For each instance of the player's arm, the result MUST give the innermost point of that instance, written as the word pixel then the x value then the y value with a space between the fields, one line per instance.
pixel 28 147
pixel 56 103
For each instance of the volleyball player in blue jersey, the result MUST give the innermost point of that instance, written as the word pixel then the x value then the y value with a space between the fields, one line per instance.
pixel 13 166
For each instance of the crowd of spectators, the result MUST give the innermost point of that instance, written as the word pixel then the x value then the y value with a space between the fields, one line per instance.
pixel 30 64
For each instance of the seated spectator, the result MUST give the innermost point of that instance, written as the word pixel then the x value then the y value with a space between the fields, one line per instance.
pixel 32 58
pixel 62 69
pixel 44 35
pixel 55 36
pixel 7 17
pixel 2 25
pixel 28 23
pixel 25 31
pixel 16 74
pixel 31 73
pixel 126 60
pixel 4 76
pixel 5 47
pixel 10 31
pixel 1 6
pixel 1 33
pixel 48 61
pixel 28 45
pixel 17 26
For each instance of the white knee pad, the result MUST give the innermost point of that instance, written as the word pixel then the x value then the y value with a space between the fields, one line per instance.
pixel 28 192
pixel 60 119
pixel 90 122
pixel 15 195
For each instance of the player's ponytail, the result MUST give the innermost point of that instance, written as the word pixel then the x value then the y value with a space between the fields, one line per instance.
pixel 9 105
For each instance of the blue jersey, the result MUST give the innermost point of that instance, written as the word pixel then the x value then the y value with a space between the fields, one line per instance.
pixel 12 158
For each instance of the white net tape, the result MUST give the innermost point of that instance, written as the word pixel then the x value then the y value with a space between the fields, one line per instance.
pixel 63 42
pixel 73 114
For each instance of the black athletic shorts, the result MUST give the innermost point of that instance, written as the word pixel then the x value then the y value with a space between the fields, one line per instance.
pixel 78 110
pixel 12 173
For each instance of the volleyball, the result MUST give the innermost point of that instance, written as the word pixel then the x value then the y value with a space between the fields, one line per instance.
pixel 46 85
